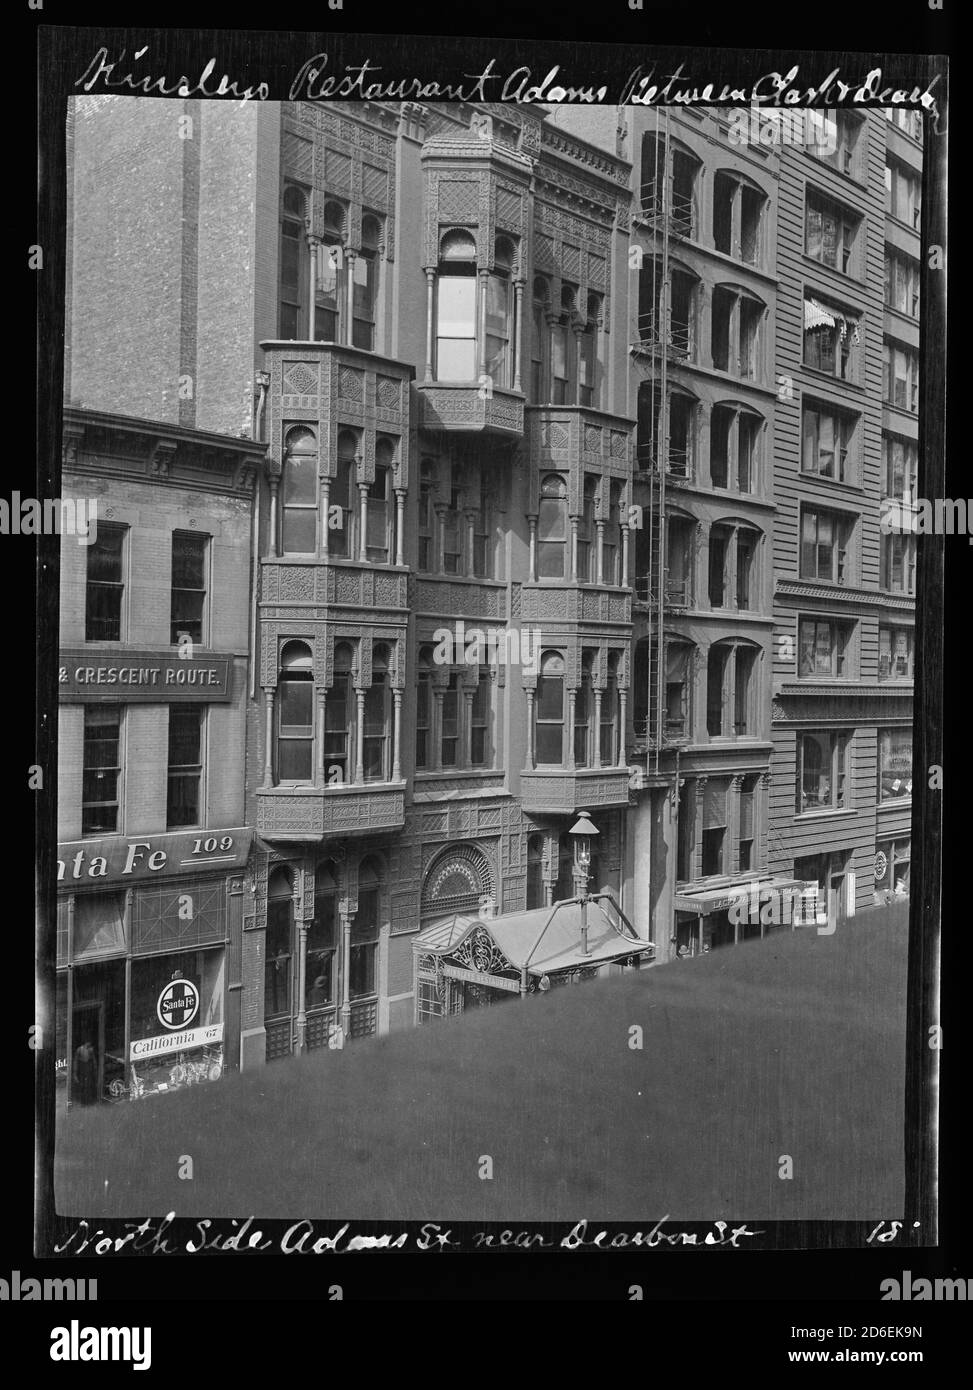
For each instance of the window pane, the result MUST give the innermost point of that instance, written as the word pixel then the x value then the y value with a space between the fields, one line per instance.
pixel 300 530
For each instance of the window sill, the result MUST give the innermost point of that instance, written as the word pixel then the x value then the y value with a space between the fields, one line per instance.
pixel 832 380
pixel 843 814
pixel 832 482
pixel 845 275
pixel 894 804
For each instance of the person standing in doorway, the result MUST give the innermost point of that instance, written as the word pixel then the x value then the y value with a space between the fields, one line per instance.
pixel 85 1074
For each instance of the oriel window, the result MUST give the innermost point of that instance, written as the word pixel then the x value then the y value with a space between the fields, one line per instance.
pixel 300 493
pixel 549 712
pixel 342 540
pixel 375 735
pixel 339 718
pixel 295 714
pixel 456 308
pixel 552 528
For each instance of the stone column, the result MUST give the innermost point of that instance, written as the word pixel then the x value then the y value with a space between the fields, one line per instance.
pixel 320 771
pixel 350 259
pixel 400 525
pixel 397 736
pixel 470 518
pixel 359 735
pixel 600 551
pixel 622 726
pixel 302 931
pixel 518 332
pixel 362 522
pixel 572 706
pixel 481 290
pixel 345 916
pixel 430 302
pixel 312 280
pixel 439 539
pixel 574 549
pixel 274 484
pixel 530 727
pixel 532 555
pixel 596 746
pixel 437 729
pixel 268 736
pixel 623 573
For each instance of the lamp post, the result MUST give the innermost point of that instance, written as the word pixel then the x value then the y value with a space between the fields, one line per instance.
pixel 582 832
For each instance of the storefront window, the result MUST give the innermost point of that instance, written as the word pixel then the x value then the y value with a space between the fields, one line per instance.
pixel 97 1042
pixel 894 764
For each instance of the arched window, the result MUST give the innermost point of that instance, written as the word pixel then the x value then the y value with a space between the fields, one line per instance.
pixel 456 308
pixel 339 719
pixel 745 662
pixel 584 708
pixel 587 554
pixel 378 539
pixel 365 928
pixel 552 528
pixel 376 733
pixel 295 714
pixel 678 718
pixel 549 712
pixel 535 871
pixel 344 494
pixel 278 946
pixel 332 276
pixel 427 515
pixel 322 938
pixel 499 313
pixel 366 283
pixel 539 340
pixel 609 731
pixel 293 279
pixel 298 527
pixel 716 670
pixel 424 709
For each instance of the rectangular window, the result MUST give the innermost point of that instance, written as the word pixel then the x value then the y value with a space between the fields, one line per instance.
pixel 375 730
pixel 456 328
pixel 364 293
pixel 825 540
pixel 832 340
pixel 829 233
pixel 338 721
pixel 748 789
pixel 821 759
pixel 99 925
pixel 895 654
pixel 686 831
pixel 745 659
pixel 295 731
pixel 717 569
pixel 898 563
pixel 423 715
pixel 822 643
pixel 902 284
pixel 903 194
pixel 549 721
pixel 901 377
pixel 451 720
pixel 559 364
pixel 746 554
pixel 827 440
pixel 714 825
pixel 101 769
pixel 453 534
pixel 537 354
pixel 901 459
pixel 364 945
pixel 185 765
pixel 331 292
pixel 498 317
pixel 188 598
pixel 894 764
pixel 481 750
pixel 105 586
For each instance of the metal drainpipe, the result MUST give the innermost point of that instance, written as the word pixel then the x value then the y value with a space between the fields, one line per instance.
pixel 255 548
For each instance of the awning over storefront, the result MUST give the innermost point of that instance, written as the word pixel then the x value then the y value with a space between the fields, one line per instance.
pixel 541 941
pixel 709 900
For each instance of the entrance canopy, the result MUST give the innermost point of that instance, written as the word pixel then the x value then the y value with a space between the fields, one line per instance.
pixel 719 899
pixel 538 942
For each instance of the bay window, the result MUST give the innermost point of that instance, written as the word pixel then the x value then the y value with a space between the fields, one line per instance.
pixel 377 718
pixel 365 286
pixel 549 711
pixel 299 510
pixel 342 540
pixel 456 308
pixel 380 513
pixel 295 714
pixel 552 528
pixel 339 719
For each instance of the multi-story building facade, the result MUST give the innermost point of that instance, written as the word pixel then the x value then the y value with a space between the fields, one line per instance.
pixel 548 417
pixel 153 838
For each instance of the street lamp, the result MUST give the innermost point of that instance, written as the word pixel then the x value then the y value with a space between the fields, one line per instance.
pixel 582 832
